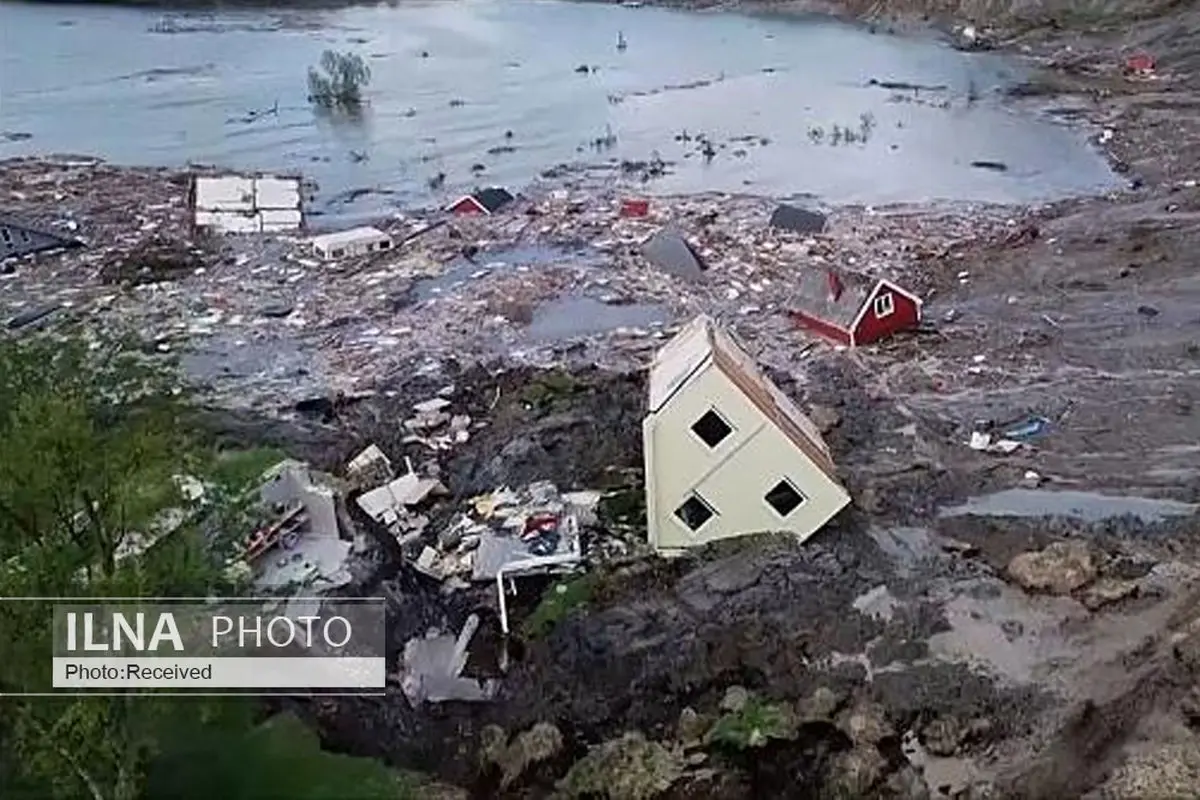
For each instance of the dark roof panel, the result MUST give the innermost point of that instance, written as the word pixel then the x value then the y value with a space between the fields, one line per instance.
pixel 832 295
pixel 19 238
pixel 670 252
pixel 800 220
pixel 493 198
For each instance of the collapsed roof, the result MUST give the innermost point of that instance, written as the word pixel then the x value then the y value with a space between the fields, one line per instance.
pixel 670 252
pixel 835 296
pixel 800 220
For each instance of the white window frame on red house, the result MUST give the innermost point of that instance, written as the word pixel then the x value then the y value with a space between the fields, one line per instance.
pixel 890 305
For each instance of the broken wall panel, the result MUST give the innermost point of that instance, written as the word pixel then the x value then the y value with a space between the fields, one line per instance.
pixel 239 204
pixel 19 239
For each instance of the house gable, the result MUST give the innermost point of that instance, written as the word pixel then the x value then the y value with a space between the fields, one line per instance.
pixel 467 204
pixel 887 309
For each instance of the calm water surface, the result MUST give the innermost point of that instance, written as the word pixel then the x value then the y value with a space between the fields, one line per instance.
pixel 110 82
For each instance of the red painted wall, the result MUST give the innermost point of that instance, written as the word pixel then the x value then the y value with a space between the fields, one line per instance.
pixel 466 206
pixel 820 327
pixel 871 329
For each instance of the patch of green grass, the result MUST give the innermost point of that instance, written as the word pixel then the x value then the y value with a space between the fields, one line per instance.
pixel 559 601
pixel 755 724
pixel 551 388
pixel 623 507
pixel 282 757
pixel 239 470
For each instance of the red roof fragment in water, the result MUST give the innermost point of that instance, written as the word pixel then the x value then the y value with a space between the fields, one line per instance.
pixel 1140 62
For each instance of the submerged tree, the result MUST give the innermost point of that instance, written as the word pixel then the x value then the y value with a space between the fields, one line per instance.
pixel 339 82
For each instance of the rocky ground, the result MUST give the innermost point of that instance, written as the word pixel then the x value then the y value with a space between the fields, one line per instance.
pixel 1034 648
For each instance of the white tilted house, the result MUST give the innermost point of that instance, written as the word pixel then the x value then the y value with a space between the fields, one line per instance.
pixel 348 244
pixel 727 453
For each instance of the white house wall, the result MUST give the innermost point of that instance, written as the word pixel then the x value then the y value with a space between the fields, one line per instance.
pixel 276 193
pixel 229 221
pixel 280 220
pixel 225 193
pixel 677 360
pixel 732 477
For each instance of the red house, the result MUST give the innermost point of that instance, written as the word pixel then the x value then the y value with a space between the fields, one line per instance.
pixel 481 201
pixel 852 309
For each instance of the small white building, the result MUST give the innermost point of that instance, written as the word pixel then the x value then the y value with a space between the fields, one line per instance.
pixel 354 242
pixel 727 453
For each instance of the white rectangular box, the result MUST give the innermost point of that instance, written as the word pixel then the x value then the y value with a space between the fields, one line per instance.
pixel 347 672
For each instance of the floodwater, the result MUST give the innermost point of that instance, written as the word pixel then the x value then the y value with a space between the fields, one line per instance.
pixel 576 316
pixel 465 270
pixel 788 103
pixel 1086 506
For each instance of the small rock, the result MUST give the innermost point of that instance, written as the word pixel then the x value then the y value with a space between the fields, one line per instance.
pixel 824 417
pixel 277 310
pixel 853 773
pixel 492 742
pixel 1107 591
pixel 427 421
pixel 942 736
pixel 692 728
pixel 907 782
pixel 957 546
pixel 1061 568
pixel 866 724
pixel 822 704
pixel 432 405
pixel 735 699
pixel 539 743
pixel 870 501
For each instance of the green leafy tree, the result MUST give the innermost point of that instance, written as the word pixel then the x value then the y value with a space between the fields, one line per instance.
pixel 339 83
pixel 93 441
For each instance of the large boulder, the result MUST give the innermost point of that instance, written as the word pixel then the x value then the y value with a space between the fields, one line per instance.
pixel 1060 568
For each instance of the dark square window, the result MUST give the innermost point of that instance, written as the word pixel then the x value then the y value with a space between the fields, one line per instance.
pixel 694 513
pixel 784 498
pixel 711 429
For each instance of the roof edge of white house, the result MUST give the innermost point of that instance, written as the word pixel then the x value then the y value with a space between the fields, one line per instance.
pixel 698 329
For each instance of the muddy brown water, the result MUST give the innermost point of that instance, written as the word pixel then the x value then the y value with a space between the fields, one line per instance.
pixel 788 103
